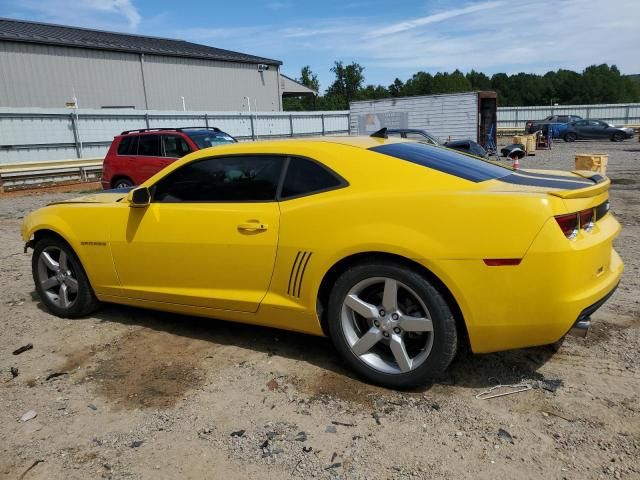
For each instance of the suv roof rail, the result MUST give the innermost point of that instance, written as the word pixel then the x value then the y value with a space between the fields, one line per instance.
pixel 178 129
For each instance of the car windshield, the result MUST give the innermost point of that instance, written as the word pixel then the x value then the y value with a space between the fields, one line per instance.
pixel 210 138
pixel 444 160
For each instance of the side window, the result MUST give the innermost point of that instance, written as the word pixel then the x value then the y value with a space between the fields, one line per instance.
pixel 581 123
pixel 305 177
pixel 128 145
pixel 149 146
pixel 223 179
pixel 174 146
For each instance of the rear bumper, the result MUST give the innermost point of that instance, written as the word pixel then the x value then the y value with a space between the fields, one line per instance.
pixel 537 302
pixel 583 324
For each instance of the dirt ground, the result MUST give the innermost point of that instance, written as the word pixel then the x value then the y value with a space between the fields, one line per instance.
pixel 136 394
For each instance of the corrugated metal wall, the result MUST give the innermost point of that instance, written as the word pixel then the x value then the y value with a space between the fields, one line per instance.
pixel 444 116
pixel 40 134
pixel 211 85
pixel 619 114
pixel 47 76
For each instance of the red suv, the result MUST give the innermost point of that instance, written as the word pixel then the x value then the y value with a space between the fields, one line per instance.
pixel 136 155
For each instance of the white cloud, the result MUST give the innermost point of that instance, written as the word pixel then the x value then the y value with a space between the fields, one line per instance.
pixel 107 14
pixel 488 36
pixel 434 18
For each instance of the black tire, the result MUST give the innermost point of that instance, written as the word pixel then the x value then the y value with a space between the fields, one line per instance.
pixel 84 300
pixel 617 137
pixel 445 335
pixel 570 137
pixel 122 183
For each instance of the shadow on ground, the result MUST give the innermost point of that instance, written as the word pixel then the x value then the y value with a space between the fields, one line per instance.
pixel 467 370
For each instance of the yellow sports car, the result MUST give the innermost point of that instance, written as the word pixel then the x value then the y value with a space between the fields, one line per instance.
pixel 397 250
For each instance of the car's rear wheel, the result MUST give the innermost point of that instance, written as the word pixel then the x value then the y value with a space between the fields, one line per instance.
pixel 122 183
pixel 391 325
pixel 570 137
pixel 60 280
pixel 617 137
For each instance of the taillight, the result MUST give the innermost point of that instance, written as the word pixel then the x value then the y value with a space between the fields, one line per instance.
pixel 569 225
pixel 572 222
pixel 586 220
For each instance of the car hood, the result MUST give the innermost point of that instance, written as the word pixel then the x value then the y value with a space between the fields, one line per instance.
pixel 105 196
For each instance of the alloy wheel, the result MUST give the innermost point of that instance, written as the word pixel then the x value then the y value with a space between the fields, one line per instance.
pixel 387 325
pixel 57 278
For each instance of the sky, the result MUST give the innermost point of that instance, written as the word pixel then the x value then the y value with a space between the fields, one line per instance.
pixel 389 38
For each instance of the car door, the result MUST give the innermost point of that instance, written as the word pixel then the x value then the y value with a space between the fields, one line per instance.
pixel 592 129
pixel 150 158
pixel 582 129
pixel 600 129
pixel 208 238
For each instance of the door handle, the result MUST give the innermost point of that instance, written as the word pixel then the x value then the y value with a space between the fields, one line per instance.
pixel 253 227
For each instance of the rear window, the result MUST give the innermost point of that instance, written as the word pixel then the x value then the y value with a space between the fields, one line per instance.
pixel 444 160
pixel 149 146
pixel 305 177
pixel 128 145
pixel 210 138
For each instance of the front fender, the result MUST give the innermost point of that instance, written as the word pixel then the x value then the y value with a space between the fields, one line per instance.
pixel 84 229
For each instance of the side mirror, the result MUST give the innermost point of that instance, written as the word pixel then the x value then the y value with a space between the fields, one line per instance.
pixel 139 198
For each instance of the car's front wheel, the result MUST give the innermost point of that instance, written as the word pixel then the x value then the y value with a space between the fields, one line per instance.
pixel 617 137
pixel 570 137
pixel 60 280
pixel 391 325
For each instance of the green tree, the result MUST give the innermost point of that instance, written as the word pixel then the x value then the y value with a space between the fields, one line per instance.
pixel 478 80
pixel 303 103
pixel 396 89
pixel 347 84
pixel 421 83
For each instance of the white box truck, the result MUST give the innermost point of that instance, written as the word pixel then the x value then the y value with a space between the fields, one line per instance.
pixel 454 116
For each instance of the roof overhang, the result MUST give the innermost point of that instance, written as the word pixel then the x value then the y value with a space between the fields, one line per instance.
pixel 292 88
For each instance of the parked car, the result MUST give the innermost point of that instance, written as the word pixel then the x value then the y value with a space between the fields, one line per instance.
pixel 465 146
pixel 136 155
pixel 596 130
pixel 535 125
pixel 371 241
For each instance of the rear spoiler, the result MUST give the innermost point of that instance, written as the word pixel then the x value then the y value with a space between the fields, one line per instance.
pixel 600 185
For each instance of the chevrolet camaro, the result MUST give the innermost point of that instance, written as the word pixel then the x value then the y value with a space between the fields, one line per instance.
pixel 399 251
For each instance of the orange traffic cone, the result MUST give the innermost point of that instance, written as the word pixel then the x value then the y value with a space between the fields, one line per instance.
pixel 516 164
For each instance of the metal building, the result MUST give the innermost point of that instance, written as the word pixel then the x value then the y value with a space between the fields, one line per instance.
pixel 45 65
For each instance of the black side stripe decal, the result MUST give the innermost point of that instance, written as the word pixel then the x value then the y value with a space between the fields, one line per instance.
pixel 541 182
pixel 295 262
pixel 556 177
pixel 304 269
pixel 296 275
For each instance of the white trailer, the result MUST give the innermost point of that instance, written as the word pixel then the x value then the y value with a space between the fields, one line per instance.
pixel 455 116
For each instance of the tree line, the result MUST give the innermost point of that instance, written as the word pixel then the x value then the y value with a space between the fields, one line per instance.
pixel 595 84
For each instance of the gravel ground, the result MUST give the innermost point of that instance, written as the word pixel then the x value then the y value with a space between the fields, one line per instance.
pixel 131 393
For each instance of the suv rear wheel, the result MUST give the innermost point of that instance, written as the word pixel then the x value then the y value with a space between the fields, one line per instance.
pixel 391 325
pixel 122 183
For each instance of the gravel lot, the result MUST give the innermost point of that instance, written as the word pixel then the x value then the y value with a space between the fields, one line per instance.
pixel 142 394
